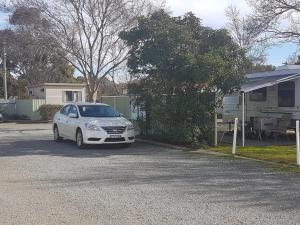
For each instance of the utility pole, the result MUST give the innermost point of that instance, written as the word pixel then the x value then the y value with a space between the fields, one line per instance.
pixel 5 71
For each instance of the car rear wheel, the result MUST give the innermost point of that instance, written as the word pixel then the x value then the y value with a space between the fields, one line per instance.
pixel 56 136
pixel 79 140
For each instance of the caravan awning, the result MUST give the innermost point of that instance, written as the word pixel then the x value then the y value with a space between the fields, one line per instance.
pixel 257 83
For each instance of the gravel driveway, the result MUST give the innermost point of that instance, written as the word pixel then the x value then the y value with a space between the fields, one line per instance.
pixel 42 182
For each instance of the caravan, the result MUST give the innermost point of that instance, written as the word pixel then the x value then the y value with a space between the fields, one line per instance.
pixel 266 100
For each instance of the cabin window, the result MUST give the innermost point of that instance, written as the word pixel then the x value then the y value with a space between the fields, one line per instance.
pixel 30 93
pixel 72 96
pixel 258 95
pixel 286 94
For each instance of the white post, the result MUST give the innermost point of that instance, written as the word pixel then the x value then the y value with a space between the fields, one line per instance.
pixel 216 129
pixel 235 136
pixel 298 142
pixel 5 71
pixel 243 119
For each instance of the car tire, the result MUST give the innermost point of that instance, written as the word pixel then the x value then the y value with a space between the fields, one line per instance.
pixel 56 136
pixel 79 139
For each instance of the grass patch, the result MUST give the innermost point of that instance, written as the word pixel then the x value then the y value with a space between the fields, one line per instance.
pixel 286 168
pixel 278 154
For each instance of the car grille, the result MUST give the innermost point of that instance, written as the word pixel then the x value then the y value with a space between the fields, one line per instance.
pixel 114 130
pixel 114 139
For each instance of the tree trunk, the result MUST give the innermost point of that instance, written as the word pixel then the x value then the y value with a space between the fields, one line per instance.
pixel 92 95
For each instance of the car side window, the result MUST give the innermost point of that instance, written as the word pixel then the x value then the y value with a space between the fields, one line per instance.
pixel 65 110
pixel 73 110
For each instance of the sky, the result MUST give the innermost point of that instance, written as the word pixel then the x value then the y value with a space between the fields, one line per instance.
pixel 3 21
pixel 212 13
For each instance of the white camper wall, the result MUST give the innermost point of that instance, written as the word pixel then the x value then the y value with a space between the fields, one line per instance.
pixel 54 94
pixel 37 92
pixel 230 107
pixel 254 108
pixel 268 108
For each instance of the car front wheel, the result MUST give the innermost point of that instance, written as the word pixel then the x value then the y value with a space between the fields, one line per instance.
pixel 79 139
pixel 56 136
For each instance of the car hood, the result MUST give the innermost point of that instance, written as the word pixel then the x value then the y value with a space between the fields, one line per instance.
pixel 107 121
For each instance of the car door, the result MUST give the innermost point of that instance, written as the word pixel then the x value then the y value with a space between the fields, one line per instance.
pixel 72 123
pixel 62 120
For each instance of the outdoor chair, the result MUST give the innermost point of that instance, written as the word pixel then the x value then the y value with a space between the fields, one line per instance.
pixel 282 127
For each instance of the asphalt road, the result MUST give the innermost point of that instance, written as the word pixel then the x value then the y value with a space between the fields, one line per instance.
pixel 42 182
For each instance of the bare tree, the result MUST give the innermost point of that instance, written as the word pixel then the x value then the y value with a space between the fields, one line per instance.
pixel 279 18
pixel 244 34
pixel 87 31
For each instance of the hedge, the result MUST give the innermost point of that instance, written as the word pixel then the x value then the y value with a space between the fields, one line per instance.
pixel 47 111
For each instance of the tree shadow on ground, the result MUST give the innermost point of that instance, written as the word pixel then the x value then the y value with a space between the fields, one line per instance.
pixel 65 148
pixel 239 182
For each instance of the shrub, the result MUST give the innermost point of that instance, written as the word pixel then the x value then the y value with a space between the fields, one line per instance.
pixel 47 111
pixel 15 117
pixel 179 119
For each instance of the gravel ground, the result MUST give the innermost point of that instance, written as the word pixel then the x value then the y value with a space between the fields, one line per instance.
pixel 42 182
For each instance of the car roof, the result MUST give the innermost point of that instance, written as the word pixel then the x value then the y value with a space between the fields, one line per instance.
pixel 85 103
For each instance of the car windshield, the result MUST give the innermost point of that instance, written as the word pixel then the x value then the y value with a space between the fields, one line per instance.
pixel 97 111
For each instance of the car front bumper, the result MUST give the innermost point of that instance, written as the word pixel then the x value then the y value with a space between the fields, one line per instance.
pixel 102 137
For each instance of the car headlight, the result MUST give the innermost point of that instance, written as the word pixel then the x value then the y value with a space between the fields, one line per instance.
pixel 92 127
pixel 130 127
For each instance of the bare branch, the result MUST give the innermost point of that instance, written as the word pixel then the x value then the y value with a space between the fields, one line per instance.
pixel 87 32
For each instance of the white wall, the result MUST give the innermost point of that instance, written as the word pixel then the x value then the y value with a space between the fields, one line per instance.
pixel 255 108
pixel 37 92
pixel 54 94
pixel 268 108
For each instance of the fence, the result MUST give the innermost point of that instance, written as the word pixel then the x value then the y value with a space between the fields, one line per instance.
pixel 22 108
pixel 29 108
pixel 8 107
pixel 121 103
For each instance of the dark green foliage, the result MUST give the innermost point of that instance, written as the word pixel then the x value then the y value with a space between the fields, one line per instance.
pixel 12 85
pixel 15 117
pixel 47 112
pixel 184 69
pixel 29 56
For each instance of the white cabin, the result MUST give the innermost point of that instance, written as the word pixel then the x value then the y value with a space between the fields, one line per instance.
pixel 58 93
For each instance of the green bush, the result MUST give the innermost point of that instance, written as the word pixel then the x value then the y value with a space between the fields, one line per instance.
pixel 180 119
pixel 47 111
pixel 15 117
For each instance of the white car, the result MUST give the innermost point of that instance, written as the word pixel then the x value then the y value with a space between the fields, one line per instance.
pixel 92 123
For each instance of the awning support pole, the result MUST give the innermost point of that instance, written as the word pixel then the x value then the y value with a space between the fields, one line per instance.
pixel 243 118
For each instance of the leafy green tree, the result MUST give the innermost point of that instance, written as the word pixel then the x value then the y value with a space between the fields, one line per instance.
pixel 35 61
pixel 12 86
pixel 29 57
pixel 184 69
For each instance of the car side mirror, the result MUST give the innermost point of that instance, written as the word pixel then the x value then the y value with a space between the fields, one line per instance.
pixel 73 115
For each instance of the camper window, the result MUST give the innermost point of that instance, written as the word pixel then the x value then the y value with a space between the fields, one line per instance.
pixel 72 96
pixel 258 95
pixel 286 94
